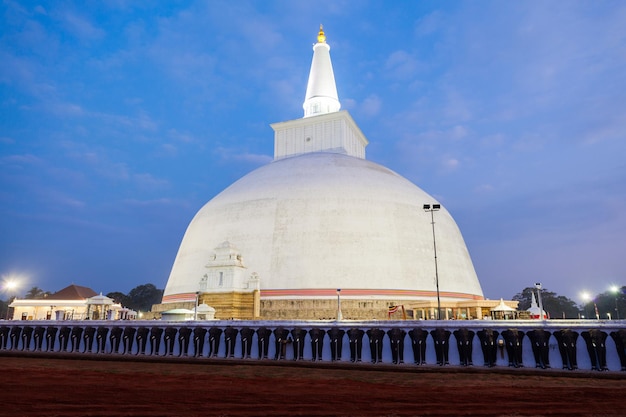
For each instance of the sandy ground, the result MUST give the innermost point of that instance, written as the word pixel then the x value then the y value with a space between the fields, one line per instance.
pixel 43 385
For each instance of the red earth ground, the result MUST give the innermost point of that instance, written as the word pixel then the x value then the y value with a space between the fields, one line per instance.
pixel 56 385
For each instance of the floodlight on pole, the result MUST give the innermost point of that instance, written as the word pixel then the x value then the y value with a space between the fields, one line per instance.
pixel 432 209
pixel 9 286
pixel 615 290
pixel 339 314
pixel 586 298
pixel 538 286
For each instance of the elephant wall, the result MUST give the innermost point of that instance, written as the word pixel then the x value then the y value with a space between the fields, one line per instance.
pixel 557 344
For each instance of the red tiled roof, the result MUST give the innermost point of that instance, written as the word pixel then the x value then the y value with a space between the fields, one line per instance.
pixel 73 292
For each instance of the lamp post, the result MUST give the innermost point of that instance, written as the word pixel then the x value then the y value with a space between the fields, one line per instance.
pixel 586 297
pixel 9 286
pixel 432 209
pixel 538 286
pixel 195 307
pixel 615 290
pixel 339 315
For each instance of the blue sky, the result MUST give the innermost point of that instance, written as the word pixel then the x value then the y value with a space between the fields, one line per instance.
pixel 120 119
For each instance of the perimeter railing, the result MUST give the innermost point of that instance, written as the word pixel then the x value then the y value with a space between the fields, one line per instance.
pixel 568 344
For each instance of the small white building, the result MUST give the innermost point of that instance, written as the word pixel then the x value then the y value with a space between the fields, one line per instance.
pixel 71 303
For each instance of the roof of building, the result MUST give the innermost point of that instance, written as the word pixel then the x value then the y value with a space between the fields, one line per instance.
pixel 73 292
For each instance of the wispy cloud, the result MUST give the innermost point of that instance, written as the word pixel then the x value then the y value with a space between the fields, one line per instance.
pixel 80 26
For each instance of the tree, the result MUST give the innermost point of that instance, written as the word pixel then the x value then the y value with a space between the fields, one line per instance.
pixel 611 302
pixel 119 298
pixel 35 293
pixel 142 297
pixel 556 306
pixel 4 308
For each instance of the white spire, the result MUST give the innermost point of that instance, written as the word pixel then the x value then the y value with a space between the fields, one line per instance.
pixel 533 303
pixel 321 91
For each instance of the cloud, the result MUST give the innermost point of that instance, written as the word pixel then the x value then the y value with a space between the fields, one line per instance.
pixel 371 105
pixel 234 154
pixel 450 164
pixel 80 26
pixel 21 159
pixel 182 137
pixel 159 202
pixel 7 140
pixel 484 188
pixel 401 65
pixel 148 181
pixel 429 24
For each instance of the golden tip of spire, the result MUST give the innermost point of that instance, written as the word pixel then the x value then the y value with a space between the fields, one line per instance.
pixel 321 38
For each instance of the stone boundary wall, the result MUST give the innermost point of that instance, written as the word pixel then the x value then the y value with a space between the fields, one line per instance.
pixel 561 344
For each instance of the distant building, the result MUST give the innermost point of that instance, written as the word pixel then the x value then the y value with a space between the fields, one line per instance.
pixel 71 303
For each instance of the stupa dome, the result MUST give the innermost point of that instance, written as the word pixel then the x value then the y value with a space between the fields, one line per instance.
pixel 317 219
pixel 310 224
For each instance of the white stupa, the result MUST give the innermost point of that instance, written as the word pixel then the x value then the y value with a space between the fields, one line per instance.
pixel 534 311
pixel 320 217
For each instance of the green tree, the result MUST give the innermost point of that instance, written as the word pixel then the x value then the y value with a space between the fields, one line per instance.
pixel 35 293
pixel 142 297
pixel 4 308
pixel 556 306
pixel 119 297
pixel 611 302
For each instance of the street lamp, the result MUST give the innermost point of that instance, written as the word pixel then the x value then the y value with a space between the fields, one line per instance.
pixel 339 315
pixel 9 287
pixel 432 209
pixel 615 290
pixel 586 297
pixel 538 286
pixel 195 307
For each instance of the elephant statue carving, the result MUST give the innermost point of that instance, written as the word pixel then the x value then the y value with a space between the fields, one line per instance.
pixel 396 338
pixel 230 339
pixel 4 337
pixel 619 337
pixel 38 336
pixel 281 338
pixel 15 335
pixel 317 342
pixel 335 335
pixel 513 342
pixel 215 334
pixel 464 343
pixel 489 346
pixel 128 339
pixel 441 338
pixel 156 334
pixel 263 341
pixel 376 336
pixel 567 339
pixel 64 338
pixel 116 339
pixel 101 338
pixel 76 336
pixel 298 334
pixel 355 339
pixel 540 340
pixel 184 334
pixel 199 336
pixel 143 333
pixel 168 339
pixel 88 338
pixel 418 343
pixel 596 347
pixel 246 335
pixel 27 337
